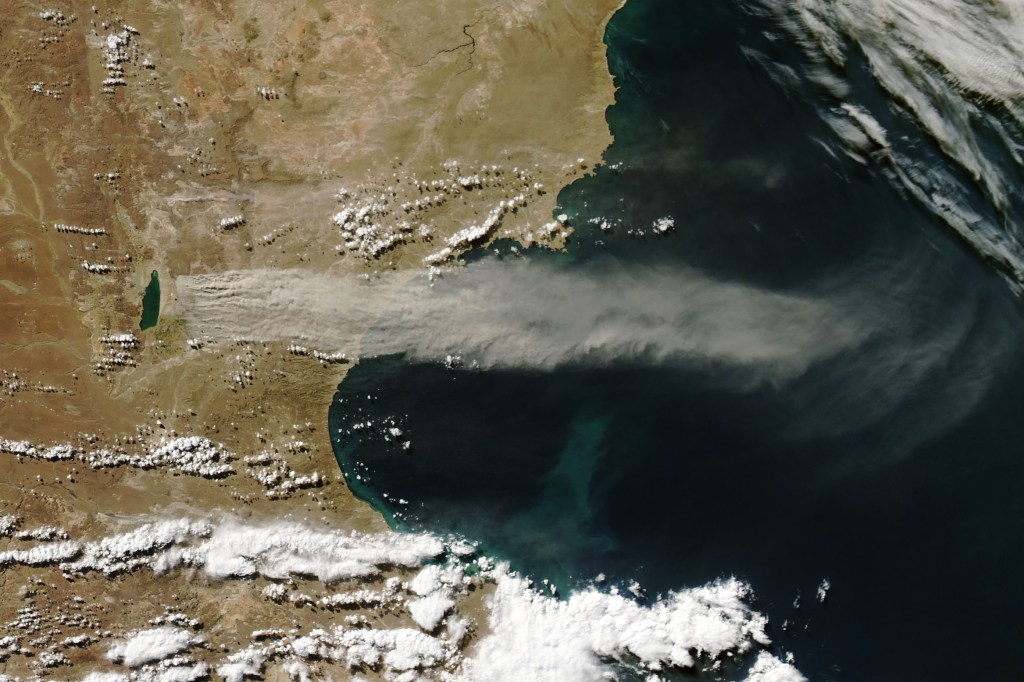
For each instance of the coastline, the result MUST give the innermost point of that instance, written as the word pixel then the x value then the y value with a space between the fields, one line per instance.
pixel 108 426
pixel 602 99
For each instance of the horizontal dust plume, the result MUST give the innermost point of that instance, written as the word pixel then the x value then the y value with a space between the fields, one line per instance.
pixel 525 315
pixel 840 361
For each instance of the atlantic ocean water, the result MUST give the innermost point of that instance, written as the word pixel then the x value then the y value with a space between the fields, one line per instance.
pixel 890 467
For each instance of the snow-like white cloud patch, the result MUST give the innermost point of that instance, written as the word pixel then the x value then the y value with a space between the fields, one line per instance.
pixel 296 670
pixel 232 549
pixel 41 555
pixel 241 664
pixel 393 652
pixel 537 637
pixel 282 550
pixel 175 673
pixel 767 668
pixel 400 649
pixel 162 672
pixel 8 524
pixel 430 610
pixel 593 633
pixel 126 551
pixel 426 581
pixel 151 645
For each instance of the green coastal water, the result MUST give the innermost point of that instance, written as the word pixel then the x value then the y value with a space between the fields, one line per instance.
pixel 151 302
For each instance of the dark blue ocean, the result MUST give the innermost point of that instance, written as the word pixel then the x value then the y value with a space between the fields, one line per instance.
pixel 892 468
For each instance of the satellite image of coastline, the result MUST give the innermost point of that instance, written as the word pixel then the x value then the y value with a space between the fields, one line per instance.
pixel 479 341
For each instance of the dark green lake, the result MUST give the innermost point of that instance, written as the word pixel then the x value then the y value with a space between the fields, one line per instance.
pixel 151 302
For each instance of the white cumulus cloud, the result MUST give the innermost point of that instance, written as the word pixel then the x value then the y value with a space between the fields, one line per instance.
pixel 151 645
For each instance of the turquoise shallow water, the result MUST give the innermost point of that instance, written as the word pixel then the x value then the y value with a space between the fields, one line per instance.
pixel 891 467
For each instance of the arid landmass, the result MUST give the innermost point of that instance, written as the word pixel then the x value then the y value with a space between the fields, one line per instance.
pixel 130 135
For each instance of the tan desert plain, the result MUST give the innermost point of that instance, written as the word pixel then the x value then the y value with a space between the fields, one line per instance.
pixel 170 506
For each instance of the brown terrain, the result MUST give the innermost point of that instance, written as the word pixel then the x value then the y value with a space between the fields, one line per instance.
pixel 131 136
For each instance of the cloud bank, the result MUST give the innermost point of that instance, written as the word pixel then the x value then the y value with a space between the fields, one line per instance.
pixel 593 634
